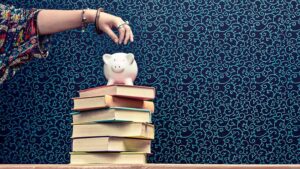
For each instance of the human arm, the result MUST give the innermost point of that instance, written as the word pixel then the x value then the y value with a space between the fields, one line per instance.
pixel 53 21
pixel 21 30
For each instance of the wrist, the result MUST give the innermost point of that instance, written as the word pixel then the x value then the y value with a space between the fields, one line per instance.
pixel 91 15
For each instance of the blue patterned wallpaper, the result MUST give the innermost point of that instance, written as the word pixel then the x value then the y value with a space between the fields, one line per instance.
pixel 227 74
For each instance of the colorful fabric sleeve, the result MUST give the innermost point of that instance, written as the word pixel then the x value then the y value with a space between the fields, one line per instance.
pixel 19 39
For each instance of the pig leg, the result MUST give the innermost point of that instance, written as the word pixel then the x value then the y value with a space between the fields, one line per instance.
pixel 110 82
pixel 129 82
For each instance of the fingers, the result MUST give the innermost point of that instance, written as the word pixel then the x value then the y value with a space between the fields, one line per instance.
pixel 128 34
pixel 109 22
pixel 111 34
pixel 121 34
pixel 131 37
pixel 125 32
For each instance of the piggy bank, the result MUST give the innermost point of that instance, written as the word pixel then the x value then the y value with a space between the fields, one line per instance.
pixel 120 68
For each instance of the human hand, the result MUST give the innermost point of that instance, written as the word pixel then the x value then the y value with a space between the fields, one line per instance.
pixel 107 22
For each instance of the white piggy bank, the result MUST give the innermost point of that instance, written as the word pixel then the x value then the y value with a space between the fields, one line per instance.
pixel 120 68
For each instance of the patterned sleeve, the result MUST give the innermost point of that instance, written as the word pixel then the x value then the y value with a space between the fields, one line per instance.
pixel 19 39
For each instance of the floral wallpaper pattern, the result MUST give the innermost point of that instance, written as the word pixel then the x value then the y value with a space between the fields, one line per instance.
pixel 227 75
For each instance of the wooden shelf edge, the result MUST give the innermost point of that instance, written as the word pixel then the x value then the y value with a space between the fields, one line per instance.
pixel 151 166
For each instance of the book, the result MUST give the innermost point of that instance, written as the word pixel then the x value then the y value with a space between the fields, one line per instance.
pixel 108 158
pixel 114 129
pixel 135 92
pixel 90 103
pixel 112 114
pixel 111 144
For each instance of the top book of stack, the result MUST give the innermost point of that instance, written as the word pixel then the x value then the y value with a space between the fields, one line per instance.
pixel 134 92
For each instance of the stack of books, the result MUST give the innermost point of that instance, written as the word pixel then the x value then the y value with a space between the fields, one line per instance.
pixel 112 124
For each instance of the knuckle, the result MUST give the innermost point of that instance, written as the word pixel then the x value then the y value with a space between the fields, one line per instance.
pixel 122 30
pixel 119 19
pixel 127 28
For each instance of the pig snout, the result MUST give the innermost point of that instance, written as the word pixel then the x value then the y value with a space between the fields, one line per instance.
pixel 118 68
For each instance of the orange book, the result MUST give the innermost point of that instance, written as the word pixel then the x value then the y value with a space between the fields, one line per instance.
pixel 106 101
pixel 134 92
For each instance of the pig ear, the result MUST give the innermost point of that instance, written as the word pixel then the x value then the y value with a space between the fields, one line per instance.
pixel 130 58
pixel 106 57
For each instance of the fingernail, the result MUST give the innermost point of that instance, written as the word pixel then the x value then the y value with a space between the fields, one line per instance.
pixel 116 40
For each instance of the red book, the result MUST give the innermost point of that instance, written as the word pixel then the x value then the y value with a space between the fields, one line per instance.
pixel 107 101
pixel 134 92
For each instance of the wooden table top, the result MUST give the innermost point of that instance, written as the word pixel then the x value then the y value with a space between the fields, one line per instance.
pixel 151 166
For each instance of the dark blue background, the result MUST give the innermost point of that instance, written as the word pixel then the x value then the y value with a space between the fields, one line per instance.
pixel 227 75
